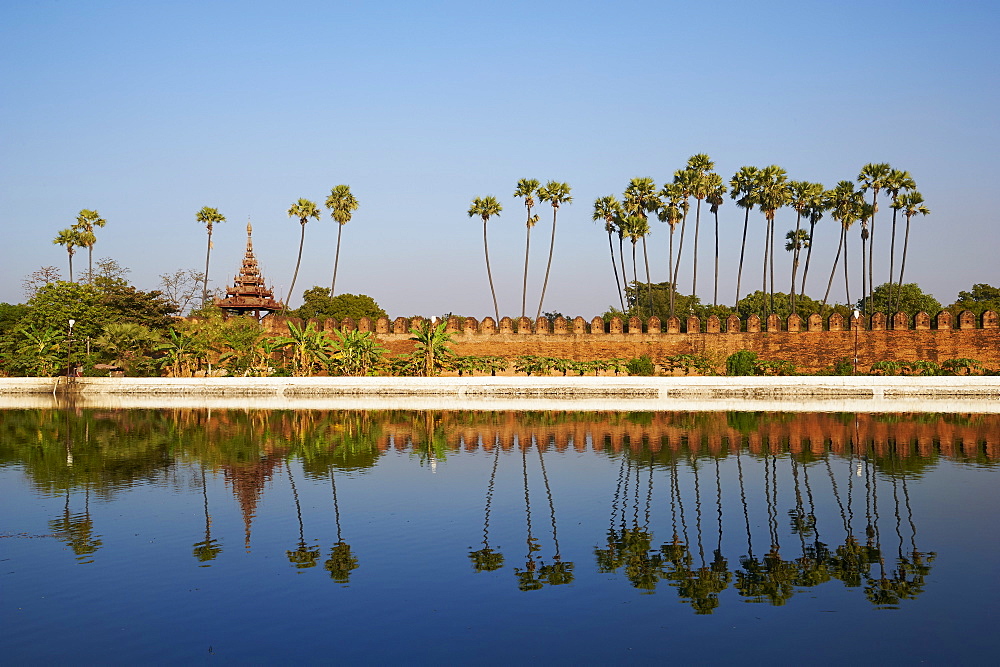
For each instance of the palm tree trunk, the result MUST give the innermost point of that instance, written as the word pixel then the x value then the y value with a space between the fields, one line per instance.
pixel 795 257
pixel 871 259
pixel 621 257
pixel 90 264
pixel 614 265
pixel 70 253
pixel 649 285
pixel 670 262
pixel 298 261
pixel 680 252
pixel 767 248
pixel 833 272
pixel 552 245
pixel 715 290
pixel 771 226
pixel 892 259
pixel 336 262
pixel 864 276
pixel 489 274
pixel 635 276
pixel 809 252
pixel 847 284
pixel 697 227
pixel 208 254
pixel 743 248
pixel 902 265
pixel 527 248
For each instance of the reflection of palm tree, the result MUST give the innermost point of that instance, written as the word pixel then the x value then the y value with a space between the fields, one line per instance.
pixel 341 561
pixel 77 530
pixel 303 556
pixel 208 548
pixel 485 559
pixel 526 579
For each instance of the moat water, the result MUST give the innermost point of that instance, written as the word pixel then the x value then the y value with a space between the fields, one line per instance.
pixel 256 536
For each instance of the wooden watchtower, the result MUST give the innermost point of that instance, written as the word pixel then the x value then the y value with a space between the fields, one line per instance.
pixel 249 294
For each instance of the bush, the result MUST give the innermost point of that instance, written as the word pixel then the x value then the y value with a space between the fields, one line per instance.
pixel 641 366
pixel 743 362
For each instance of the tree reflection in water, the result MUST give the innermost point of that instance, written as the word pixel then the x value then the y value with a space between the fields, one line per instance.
pixel 486 559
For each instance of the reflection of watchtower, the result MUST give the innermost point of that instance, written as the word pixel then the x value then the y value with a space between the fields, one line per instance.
pixel 248 293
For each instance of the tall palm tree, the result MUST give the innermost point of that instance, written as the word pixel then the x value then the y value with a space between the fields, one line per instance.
pixel 71 239
pixel 873 176
pixel 701 167
pixel 526 188
pixel 801 196
pixel 715 198
pixel 303 209
pixel 86 221
pixel 636 227
pixel 896 183
pixel 795 241
pixel 671 213
pixel 486 208
pixel 609 209
pixel 684 180
pixel 208 216
pixel 640 199
pixel 772 194
pixel 341 204
pixel 556 194
pixel 743 190
pixel 910 204
pixel 817 206
pixel 845 207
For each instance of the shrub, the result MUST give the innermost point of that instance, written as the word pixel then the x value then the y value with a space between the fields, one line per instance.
pixel 743 362
pixel 641 366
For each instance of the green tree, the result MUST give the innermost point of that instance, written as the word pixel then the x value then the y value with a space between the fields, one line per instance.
pixel 816 206
pixel 802 197
pixel 715 198
pixel 671 212
pixel 896 183
pixel 318 304
pixel 527 188
pixel 979 299
pixel 845 207
pixel 556 194
pixel 486 208
pixel 909 298
pixel 873 177
pixel 86 221
pixel 639 200
pixel 743 190
pixel 341 204
pixel 71 239
pixel 795 241
pixel 701 167
pixel 128 345
pixel 311 349
pixel 208 216
pixel 303 209
pixel 772 194
pixel 356 353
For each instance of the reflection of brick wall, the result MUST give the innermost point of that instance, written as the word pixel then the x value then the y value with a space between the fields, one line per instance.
pixel 810 348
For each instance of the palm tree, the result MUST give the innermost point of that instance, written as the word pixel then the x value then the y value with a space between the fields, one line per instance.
pixel 796 240
pixel 486 208
pixel 684 180
pixel 609 209
pixel 341 204
pixel 772 194
pixel 801 195
pixel 845 206
pixel 640 199
pixel 208 216
pixel 911 204
pixel 715 198
pixel 873 177
pixel 527 187
pixel 86 221
pixel 555 194
pixel 816 207
pixel 303 209
pixel 636 227
pixel 71 239
pixel 701 167
pixel 743 189
pixel 897 182
pixel 671 213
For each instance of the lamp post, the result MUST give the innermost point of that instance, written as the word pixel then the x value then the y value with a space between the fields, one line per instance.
pixel 69 353
pixel 857 326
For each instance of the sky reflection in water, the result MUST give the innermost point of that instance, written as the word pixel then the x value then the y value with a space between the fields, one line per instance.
pixel 189 535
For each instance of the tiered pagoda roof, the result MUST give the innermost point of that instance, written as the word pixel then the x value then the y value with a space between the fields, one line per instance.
pixel 249 294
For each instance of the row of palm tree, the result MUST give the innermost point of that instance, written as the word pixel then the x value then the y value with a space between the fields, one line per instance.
pixel 768 189
pixel 81 235
pixel 553 193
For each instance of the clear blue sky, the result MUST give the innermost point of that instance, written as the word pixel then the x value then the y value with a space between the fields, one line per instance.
pixel 147 111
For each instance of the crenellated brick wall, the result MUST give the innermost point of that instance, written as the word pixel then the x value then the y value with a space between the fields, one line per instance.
pixel 812 343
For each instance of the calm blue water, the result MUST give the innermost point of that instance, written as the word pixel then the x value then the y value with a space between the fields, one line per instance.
pixel 450 537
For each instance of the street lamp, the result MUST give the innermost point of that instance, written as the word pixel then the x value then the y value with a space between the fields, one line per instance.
pixel 857 326
pixel 69 353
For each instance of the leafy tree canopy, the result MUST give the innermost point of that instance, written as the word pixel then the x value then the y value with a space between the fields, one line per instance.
pixel 910 297
pixel 318 304
pixel 980 298
pixel 10 315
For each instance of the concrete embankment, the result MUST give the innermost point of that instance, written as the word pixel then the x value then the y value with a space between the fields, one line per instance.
pixel 805 393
